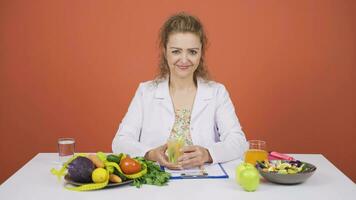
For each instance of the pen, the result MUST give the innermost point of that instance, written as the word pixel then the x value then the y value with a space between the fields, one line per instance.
pixel 280 156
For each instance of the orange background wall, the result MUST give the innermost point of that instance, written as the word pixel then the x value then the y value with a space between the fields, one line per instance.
pixel 70 68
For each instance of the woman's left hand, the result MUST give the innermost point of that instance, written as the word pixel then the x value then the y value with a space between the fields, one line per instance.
pixel 194 156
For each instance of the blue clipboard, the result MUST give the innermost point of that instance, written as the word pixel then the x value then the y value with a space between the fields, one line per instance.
pixel 199 175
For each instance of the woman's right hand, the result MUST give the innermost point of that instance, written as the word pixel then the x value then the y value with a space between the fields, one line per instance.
pixel 158 154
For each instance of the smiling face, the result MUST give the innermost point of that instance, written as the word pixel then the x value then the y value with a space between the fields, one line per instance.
pixel 183 53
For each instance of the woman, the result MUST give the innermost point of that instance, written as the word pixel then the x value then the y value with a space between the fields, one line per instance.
pixel 181 103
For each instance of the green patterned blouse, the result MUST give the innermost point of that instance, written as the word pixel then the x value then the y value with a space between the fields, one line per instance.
pixel 181 126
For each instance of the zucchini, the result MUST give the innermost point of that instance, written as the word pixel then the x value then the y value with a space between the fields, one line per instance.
pixel 113 158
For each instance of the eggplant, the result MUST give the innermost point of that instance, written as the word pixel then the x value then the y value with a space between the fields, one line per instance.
pixel 80 169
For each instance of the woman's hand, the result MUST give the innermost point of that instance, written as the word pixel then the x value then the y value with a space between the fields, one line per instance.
pixel 159 155
pixel 194 156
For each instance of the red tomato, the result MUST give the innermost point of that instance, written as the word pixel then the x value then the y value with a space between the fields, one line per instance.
pixel 130 166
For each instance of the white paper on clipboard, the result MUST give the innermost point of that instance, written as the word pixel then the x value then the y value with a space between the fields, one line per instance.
pixel 207 171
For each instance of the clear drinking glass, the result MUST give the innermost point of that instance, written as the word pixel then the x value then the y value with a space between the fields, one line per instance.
pixel 66 149
pixel 173 149
pixel 257 151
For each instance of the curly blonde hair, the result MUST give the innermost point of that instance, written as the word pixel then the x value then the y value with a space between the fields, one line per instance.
pixel 182 23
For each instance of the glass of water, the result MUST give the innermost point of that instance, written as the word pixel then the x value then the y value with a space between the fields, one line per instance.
pixel 66 149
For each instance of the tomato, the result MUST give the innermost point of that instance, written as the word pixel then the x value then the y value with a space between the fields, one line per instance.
pixel 130 166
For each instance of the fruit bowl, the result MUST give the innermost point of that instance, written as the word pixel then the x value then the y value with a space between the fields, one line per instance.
pixel 285 172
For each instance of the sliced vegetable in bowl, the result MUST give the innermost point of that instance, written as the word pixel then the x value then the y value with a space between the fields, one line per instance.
pixel 285 171
pixel 284 166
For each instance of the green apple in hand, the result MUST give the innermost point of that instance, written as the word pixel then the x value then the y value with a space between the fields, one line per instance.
pixel 248 177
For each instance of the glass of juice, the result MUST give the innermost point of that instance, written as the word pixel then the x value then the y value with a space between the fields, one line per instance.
pixel 66 148
pixel 257 151
pixel 173 149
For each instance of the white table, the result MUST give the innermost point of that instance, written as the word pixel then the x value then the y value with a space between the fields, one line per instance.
pixel 34 181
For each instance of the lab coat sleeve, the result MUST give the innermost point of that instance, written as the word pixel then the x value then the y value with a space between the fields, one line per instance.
pixel 127 138
pixel 232 144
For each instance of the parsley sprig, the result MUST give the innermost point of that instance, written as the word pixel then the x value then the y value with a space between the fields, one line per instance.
pixel 154 176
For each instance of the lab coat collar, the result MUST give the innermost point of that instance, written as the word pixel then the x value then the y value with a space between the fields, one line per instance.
pixel 204 91
pixel 163 96
pixel 162 91
pixel 202 98
pixel 204 94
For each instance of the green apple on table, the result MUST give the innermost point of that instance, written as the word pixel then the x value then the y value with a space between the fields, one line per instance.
pixel 247 176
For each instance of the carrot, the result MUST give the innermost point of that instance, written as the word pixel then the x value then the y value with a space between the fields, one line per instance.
pixel 115 179
pixel 97 162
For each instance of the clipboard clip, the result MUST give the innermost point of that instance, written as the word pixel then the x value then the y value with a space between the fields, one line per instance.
pixel 194 174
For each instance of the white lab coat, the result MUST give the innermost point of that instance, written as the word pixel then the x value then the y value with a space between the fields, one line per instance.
pixel 150 118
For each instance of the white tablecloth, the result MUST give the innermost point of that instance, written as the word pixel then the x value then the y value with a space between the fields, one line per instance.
pixel 34 181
